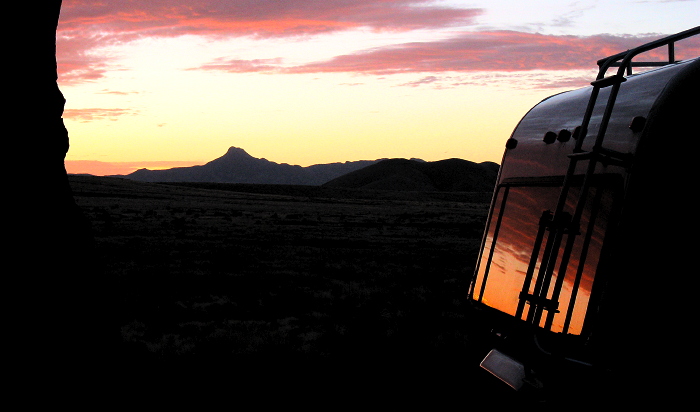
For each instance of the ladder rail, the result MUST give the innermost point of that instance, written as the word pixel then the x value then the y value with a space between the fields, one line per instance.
pixel 575 219
pixel 622 60
pixel 544 224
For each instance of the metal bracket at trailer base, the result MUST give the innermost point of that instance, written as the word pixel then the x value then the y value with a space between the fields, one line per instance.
pixel 509 370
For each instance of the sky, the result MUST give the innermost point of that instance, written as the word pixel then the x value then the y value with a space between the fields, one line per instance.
pixel 168 83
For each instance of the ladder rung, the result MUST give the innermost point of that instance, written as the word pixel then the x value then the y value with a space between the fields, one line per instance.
pixel 603 155
pixel 614 154
pixel 544 303
pixel 608 81
pixel 580 155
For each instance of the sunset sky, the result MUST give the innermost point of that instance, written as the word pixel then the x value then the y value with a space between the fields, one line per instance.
pixel 165 83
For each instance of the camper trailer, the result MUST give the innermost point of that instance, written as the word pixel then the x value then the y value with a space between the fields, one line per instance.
pixel 583 276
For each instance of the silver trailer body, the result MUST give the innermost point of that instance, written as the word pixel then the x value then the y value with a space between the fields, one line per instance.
pixel 580 259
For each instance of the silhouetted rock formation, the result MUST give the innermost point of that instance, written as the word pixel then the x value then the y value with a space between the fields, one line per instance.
pixel 451 175
pixel 47 277
pixel 237 166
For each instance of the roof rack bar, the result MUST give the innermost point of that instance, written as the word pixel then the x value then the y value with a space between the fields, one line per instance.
pixel 623 59
pixel 642 64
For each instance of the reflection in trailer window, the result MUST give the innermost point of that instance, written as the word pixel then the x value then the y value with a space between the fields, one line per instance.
pixel 510 276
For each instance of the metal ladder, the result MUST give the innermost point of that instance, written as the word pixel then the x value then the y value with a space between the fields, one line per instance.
pixel 564 226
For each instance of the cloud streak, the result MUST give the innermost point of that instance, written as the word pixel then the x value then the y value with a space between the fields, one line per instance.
pixel 88 25
pixel 259 17
pixel 506 51
pixel 88 115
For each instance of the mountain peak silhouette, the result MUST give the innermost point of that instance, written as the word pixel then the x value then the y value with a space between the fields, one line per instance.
pixel 236 158
pixel 236 152
pixel 237 166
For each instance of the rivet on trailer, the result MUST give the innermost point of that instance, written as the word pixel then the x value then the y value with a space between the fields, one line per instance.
pixel 583 281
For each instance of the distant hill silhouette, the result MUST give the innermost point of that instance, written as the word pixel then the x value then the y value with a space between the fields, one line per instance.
pixel 449 175
pixel 237 166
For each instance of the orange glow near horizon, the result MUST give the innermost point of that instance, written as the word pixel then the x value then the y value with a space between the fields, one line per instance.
pixel 97 168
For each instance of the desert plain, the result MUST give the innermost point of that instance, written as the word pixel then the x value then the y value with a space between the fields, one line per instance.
pixel 293 283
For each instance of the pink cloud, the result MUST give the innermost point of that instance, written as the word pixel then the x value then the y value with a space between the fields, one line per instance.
pixel 87 115
pixel 88 24
pixel 117 92
pixel 503 51
pixel 497 52
pixel 74 60
pixel 521 79
pixel 489 51
pixel 243 66
pixel 259 17
pixel 422 81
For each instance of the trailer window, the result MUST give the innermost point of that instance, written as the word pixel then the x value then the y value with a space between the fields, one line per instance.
pixel 511 276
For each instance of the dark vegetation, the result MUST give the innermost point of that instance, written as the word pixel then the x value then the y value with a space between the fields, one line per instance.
pixel 300 284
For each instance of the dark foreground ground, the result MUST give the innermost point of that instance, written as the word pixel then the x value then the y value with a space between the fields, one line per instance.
pixel 319 290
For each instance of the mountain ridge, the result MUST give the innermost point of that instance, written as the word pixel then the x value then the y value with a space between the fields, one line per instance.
pixel 449 175
pixel 237 166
